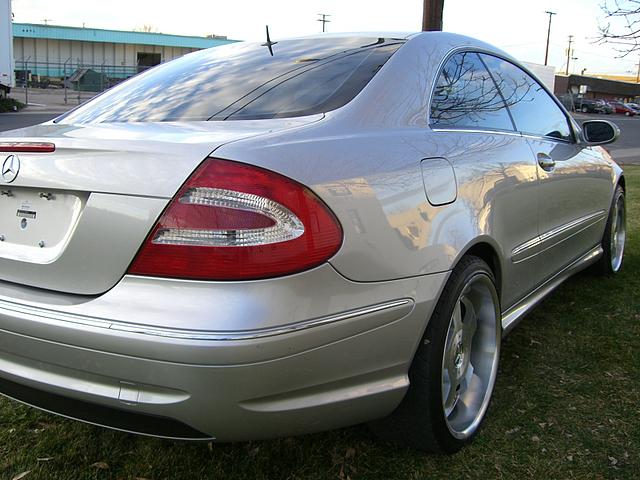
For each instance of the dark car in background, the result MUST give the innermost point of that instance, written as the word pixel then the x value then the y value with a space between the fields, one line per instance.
pixel 586 105
pixel 605 107
pixel 591 105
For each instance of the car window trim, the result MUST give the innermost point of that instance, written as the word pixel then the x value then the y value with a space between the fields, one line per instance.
pixel 496 131
pixel 479 51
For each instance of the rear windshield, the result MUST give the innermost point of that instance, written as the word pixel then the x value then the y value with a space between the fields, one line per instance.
pixel 244 81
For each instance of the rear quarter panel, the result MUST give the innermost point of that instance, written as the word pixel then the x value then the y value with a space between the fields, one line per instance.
pixel 364 162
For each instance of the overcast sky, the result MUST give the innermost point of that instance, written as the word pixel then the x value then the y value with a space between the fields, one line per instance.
pixel 517 26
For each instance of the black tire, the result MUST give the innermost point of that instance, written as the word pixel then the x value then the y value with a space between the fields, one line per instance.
pixel 585 110
pixel 606 265
pixel 419 421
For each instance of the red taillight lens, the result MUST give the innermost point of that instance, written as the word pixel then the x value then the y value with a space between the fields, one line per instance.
pixel 27 147
pixel 232 221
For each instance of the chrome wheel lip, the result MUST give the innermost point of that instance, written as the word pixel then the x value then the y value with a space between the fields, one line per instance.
pixel 618 232
pixel 491 336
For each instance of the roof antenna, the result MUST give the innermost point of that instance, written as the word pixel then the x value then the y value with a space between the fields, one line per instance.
pixel 269 43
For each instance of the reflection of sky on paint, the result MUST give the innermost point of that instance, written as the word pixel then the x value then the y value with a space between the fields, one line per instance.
pixel 241 81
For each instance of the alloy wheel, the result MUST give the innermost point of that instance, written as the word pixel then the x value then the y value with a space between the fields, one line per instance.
pixel 618 233
pixel 470 358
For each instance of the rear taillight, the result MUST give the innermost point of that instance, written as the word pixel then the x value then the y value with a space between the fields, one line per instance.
pixel 232 221
pixel 27 147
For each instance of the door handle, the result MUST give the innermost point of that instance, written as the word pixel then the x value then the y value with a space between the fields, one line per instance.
pixel 546 162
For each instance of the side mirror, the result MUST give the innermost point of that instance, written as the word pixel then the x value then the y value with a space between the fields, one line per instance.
pixel 599 132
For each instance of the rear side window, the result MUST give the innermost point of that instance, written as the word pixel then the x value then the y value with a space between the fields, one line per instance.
pixel 465 96
pixel 245 81
pixel 534 111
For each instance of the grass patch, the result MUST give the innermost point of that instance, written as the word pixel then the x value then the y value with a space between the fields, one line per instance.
pixel 567 405
pixel 10 105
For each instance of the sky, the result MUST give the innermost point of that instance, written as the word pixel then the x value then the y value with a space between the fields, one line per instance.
pixel 517 26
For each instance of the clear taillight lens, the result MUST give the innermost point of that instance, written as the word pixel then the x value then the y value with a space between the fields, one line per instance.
pixel 232 221
pixel 286 226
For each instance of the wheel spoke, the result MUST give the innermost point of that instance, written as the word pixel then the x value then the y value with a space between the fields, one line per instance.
pixel 469 324
pixel 457 317
pixel 453 382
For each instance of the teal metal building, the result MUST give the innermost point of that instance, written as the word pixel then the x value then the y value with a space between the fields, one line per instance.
pixel 56 51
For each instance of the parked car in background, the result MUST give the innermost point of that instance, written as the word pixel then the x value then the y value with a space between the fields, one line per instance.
pixel 633 106
pixel 586 105
pixel 262 240
pixel 605 107
pixel 620 107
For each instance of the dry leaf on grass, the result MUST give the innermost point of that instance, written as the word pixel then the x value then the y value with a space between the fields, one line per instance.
pixel 21 475
pixel 100 465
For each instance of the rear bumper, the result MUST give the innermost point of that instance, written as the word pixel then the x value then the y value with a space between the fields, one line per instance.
pixel 339 354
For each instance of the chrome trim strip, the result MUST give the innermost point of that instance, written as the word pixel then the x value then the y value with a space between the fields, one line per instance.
pixel 207 335
pixel 516 313
pixel 475 130
pixel 551 235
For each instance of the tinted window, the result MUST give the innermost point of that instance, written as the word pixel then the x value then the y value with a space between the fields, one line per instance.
pixel 465 96
pixel 244 81
pixel 532 108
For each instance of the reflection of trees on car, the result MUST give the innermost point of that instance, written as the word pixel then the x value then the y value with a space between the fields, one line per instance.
pixel 467 91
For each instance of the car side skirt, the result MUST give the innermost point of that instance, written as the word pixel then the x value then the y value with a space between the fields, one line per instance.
pixel 517 312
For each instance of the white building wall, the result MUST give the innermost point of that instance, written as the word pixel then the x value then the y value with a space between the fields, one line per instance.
pixel 57 52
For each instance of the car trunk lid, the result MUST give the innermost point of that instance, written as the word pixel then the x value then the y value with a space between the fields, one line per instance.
pixel 72 220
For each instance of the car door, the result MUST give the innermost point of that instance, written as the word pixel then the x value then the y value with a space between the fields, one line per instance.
pixel 495 173
pixel 574 183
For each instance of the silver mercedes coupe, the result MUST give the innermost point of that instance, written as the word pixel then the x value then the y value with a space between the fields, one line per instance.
pixel 268 239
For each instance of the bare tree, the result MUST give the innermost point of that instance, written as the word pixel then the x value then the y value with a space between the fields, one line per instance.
pixel 622 27
pixel 146 28
pixel 467 93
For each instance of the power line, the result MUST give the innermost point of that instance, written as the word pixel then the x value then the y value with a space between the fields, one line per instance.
pixel 323 20
pixel 569 54
pixel 546 52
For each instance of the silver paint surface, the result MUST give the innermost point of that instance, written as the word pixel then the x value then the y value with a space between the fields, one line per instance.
pixel 76 324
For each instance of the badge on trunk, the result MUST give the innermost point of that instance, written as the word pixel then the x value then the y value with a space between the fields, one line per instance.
pixel 10 168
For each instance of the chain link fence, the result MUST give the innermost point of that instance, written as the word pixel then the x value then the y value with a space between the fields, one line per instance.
pixel 74 80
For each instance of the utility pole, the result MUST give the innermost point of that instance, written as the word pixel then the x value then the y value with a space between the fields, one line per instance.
pixel 546 52
pixel 46 21
pixel 323 20
pixel 569 54
pixel 432 15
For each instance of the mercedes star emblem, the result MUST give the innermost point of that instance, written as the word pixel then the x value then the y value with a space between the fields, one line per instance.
pixel 10 168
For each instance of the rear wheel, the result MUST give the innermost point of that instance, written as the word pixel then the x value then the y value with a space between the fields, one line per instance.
pixel 454 370
pixel 615 235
